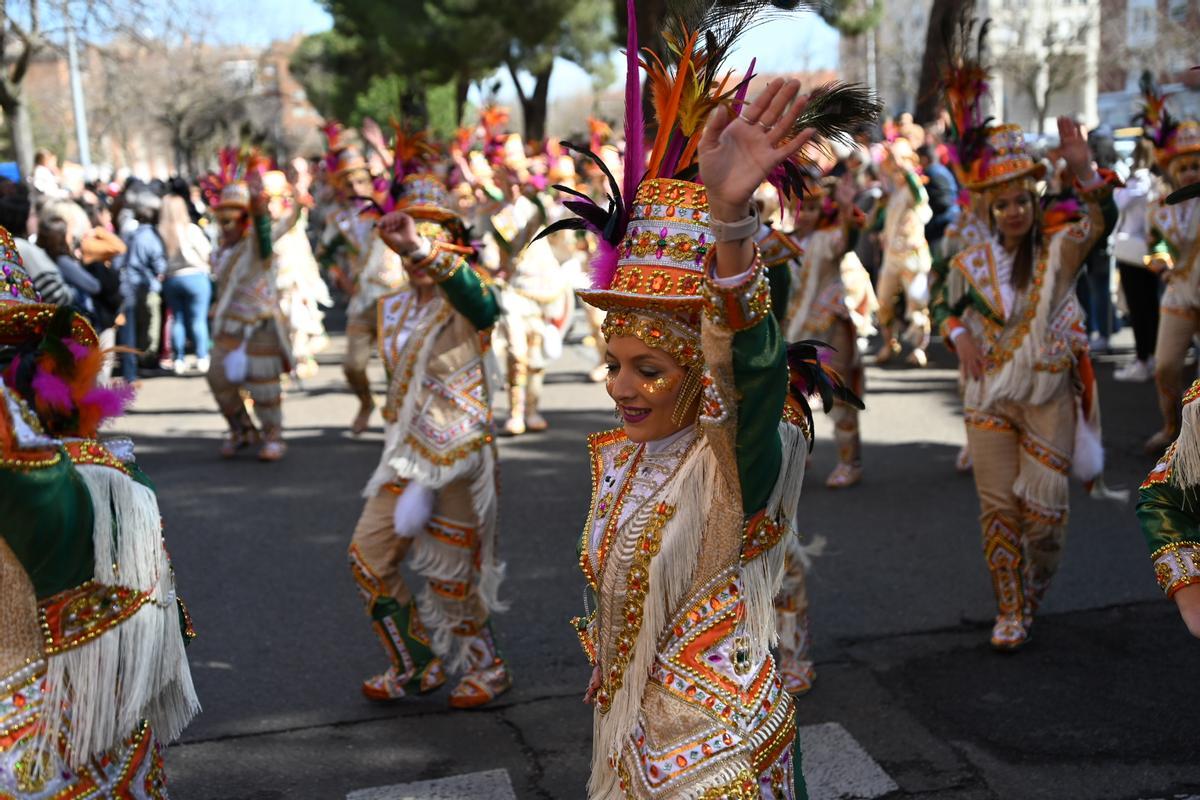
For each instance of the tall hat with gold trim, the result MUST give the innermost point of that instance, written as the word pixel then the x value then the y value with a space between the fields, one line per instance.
pixel 1005 159
pixel 653 230
pixel 1170 137
pixel 53 355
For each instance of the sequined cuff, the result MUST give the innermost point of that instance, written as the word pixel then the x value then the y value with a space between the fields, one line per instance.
pixel 1177 565
pixel 583 629
pixel 742 305
pixel 443 261
pixel 1098 190
pixel 951 325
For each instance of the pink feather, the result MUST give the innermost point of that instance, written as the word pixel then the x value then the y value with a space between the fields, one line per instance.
pixel 53 390
pixel 635 127
pixel 111 401
pixel 78 351
pixel 604 265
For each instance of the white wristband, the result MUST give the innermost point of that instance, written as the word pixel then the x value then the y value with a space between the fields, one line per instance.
pixel 744 228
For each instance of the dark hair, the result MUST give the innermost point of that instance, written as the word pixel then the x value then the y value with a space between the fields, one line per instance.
pixel 926 151
pixel 1027 250
pixel 52 237
pixel 14 208
pixel 144 204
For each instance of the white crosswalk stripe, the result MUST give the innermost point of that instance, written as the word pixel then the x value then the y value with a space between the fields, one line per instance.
pixel 836 767
pixel 491 785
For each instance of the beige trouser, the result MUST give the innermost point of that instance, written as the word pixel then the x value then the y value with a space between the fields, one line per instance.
pixel 444 554
pixel 1022 459
pixel 893 281
pixel 361 335
pixel 264 366
pixel 846 361
pixel 1176 328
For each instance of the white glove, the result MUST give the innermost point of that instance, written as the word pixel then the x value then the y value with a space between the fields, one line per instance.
pixel 413 509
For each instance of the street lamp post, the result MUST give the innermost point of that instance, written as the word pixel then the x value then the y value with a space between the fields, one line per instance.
pixel 77 103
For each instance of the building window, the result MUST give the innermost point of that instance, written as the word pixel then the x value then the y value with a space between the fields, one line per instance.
pixel 1178 11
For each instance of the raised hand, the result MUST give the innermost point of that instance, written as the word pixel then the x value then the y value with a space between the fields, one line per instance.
pixel 1074 149
pixel 399 232
pixel 738 153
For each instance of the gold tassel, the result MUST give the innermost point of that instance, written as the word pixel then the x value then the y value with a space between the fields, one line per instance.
pixel 688 393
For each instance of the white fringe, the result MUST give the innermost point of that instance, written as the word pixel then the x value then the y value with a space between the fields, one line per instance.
pixel 1185 470
pixel 433 559
pixel 762 578
pixel 690 493
pixel 1041 485
pixel 138 669
pixel 1018 380
pixel 394 450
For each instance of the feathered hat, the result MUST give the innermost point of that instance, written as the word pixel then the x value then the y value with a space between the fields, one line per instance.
pixel 53 354
pixel 226 188
pixel 1005 159
pixel 1170 137
pixel 653 230
pixel 964 82
pixel 414 188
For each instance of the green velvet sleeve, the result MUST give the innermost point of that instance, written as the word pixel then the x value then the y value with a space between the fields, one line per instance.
pixel 47 522
pixel 940 306
pixel 761 378
pixel 914 186
pixel 780 278
pixel 471 296
pixel 263 233
pixel 1166 516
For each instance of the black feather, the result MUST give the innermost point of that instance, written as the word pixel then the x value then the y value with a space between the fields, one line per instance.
pixel 837 110
pixel 568 224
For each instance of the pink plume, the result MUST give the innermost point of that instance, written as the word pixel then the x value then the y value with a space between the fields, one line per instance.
pixel 109 401
pixel 739 97
pixel 78 351
pixel 635 126
pixel 53 391
pixel 604 265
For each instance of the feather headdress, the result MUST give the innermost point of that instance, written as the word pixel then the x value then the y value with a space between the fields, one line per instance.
pixel 227 187
pixel 414 154
pixel 964 83
pixel 686 83
pixel 809 375
pixel 335 142
pixel 1154 116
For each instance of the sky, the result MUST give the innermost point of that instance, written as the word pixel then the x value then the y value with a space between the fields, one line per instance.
pixel 796 42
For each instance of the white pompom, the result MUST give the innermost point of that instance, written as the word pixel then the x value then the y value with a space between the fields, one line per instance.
pixel 1087 462
pixel 235 364
pixel 413 509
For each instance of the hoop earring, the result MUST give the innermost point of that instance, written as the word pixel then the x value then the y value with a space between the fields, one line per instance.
pixel 688 392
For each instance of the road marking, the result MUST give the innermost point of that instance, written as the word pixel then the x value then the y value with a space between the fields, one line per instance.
pixel 491 785
pixel 836 767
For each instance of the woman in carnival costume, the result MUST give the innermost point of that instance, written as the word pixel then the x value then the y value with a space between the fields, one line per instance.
pixel 374 269
pixel 1175 251
pixel 433 497
pixel 93 673
pixel 694 495
pixel 1168 507
pixel 964 87
pixel 1007 305
pixel 826 221
pixel 302 290
pixel 250 349
pixel 906 260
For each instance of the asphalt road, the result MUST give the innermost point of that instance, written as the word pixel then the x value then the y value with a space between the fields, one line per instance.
pixel 1096 708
